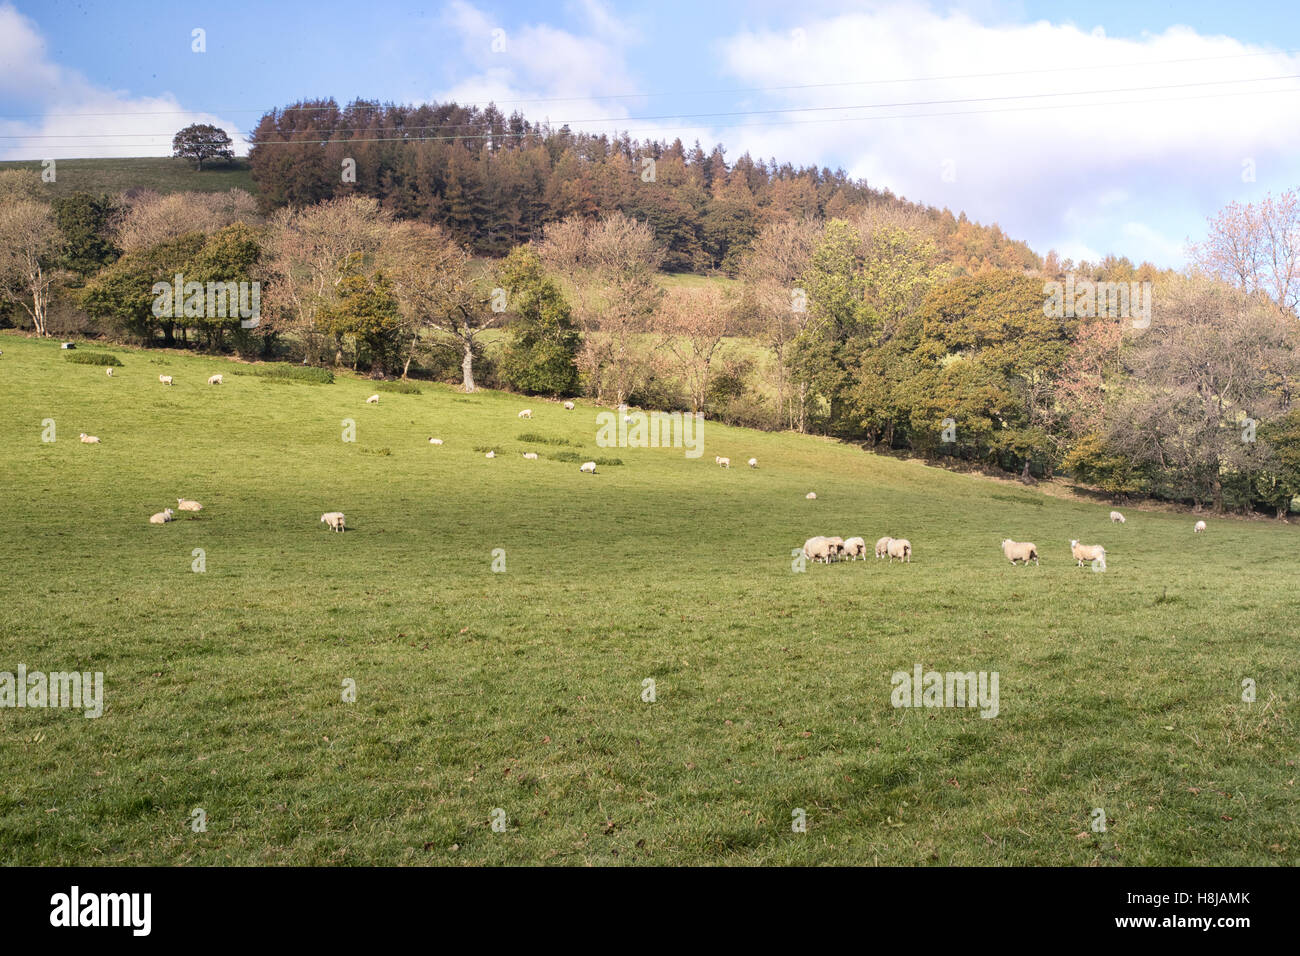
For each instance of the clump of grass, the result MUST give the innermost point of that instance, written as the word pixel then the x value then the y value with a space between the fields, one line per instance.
pixel 385 451
pixel 535 439
pixel 282 370
pixel 575 456
pixel 405 388
pixel 485 448
pixel 1018 499
pixel 93 358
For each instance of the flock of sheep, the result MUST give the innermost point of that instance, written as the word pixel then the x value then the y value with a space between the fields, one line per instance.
pixel 828 549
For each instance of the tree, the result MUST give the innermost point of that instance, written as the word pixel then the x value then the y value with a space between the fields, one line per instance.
pixel 122 292
pixel 148 218
pixel 85 226
pixel 367 310
pixel 693 323
pixel 538 358
pixel 200 142
pixel 29 252
pixel 1256 248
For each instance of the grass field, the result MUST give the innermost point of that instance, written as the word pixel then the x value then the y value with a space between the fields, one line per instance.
pixel 163 174
pixel 522 690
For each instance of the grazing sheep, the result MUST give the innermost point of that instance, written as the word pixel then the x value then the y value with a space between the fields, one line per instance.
pixel 1086 552
pixel 372 400
pixel 490 454
pixel 1025 551
pixel 89 439
pixel 837 546
pixel 568 406
pixel 589 467
pixel 855 548
pixel 214 380
pixel 811 496
pixel 334 520
pixel 1200 526
pixel 753 463
pixel 882 547
pixel 722 462
pixel 530 455
pixel 165 379
pixel 188 504
pixel 1116 518
pixel 818 549
pixel 526 413
pixel 899 548
pixel 162 517
pixel 109 371
pixel 435 441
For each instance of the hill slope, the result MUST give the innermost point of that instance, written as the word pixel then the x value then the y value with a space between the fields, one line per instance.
pixel 522 691
pixel 160 173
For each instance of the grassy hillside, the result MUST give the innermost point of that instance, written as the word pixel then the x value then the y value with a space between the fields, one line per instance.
pixel 161 174
pixel 522 691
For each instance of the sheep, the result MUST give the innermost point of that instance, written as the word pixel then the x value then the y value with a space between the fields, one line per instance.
pixel 818 549
pixel 530 455
pixel 490 454
pixel 1025 551
pixel 589 467
pixel 162 517
pixel 753 463
pixel 1116 518
pixel 836 545
pixel 214 380
pixel 722 462
pixel 1200 526
pixel 526 413
pixel 435 441
pixel 855 548
pixel 899 548
pixel 811 496
pixel 109 371
pixel 89 439
pixel 1087 552
pixel 882 547
pixel 334 520
pixel 188 504
pixel 568 406
pixel 373 400
pixel 165 379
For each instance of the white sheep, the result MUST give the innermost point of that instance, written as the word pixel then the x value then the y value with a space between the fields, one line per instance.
pixel 818 549
pixel 722 462
pixel 589 467
pixel 109 371
pixel 526 413
pixel 89 439
pixel 1116 518
pixel 188 504
pixel 334 520
pixel 899 548
pixel 490 454
pixel 882 547
pixel 435 441
pixel 372 400
pixel 1200 526
pixel 214 380
pixel 1025 551
pixel 530 455
pixel 811 496
pixel 855 548
pixel 162 517
pixel 837 545
pixel 165 379
pixel 753 463
pixel 568 406
pixel 1087 552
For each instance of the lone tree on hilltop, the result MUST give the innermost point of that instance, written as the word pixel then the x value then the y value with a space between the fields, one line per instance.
pixel 201 141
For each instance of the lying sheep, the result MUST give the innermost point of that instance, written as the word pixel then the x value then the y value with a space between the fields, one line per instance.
pixel 165 379
pixel 1087 552
pixel 490 454
pixel 162 517
pixel 818 549
pixel 753 463
pixel 334 520
pixel 530 455
pixel 855 548
pixel 882 547
pixel 1025 551
pixel 188 504
pixel 1116 518
pixel 811 496
pixel 722 462
pixel 372 400
pixel 526 413
pixel 589 467
pixel 899 548
pixel 568 406
pixel 214 380
pixel 89 439
pixel 435 441
pixel 109 371
pixel 1200 526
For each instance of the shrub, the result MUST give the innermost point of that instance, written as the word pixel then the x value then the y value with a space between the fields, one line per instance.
pixel 405 388
pixel 576 457
pixel 280 370
pixel 93 358
pixel 534 439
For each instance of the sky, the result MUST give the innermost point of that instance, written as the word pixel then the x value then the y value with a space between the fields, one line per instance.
pixel 1088 128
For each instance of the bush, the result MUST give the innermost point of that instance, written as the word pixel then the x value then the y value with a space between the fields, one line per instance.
pixel 405 388
pixel 575 457
pixel 279 370
pixel 93 358
pixel 534 439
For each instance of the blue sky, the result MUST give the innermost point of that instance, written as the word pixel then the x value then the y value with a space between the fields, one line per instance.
pixel 1085 127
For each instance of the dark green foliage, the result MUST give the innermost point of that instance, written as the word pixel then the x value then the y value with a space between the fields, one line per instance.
pixel 92 358
pixel 308 374
pixel 542 342
pixel 84 221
